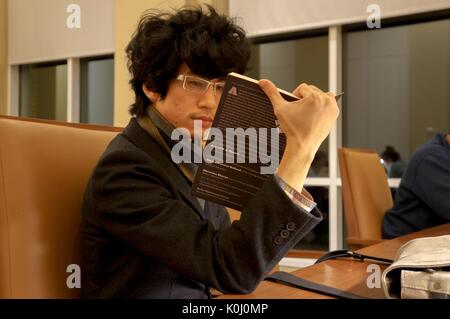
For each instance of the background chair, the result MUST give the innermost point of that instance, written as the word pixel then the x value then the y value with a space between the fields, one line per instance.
pixel 366 195
pixel 44 168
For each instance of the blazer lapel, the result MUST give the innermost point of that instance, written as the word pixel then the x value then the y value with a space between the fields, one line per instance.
pixel 147 143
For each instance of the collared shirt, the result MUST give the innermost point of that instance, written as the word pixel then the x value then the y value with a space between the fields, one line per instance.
pixel 303 199
pixel 165 129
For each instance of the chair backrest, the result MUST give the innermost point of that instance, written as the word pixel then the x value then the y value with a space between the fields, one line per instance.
pixel 44 169
pixel 366 194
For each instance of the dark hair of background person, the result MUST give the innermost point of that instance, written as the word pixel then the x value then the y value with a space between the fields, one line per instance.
pixel 390 154
pixel 211 45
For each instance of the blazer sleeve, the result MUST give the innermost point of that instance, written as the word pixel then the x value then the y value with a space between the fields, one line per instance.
pixel 432 183
pixel 130 200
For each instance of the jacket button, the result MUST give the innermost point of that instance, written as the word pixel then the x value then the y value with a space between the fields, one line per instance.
pixel 290 226
pixel 284 233
pixel 278 240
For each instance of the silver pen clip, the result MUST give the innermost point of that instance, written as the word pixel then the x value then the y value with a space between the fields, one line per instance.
pixel 338 96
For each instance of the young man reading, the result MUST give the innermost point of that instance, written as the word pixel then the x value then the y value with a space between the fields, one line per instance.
pixel 144 235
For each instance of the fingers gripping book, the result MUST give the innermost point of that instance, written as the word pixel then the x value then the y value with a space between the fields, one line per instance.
pixel 243 147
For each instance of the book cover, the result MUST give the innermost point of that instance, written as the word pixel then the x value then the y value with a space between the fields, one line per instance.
pixel 244 144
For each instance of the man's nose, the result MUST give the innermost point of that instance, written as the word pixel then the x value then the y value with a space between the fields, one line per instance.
pixel 209 99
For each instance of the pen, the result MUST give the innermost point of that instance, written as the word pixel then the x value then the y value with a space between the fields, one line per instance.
pixel 338 96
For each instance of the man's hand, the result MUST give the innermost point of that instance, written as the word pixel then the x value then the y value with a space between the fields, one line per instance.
pixel 306 123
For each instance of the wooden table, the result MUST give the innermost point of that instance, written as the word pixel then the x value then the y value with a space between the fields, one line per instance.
pixel 344 274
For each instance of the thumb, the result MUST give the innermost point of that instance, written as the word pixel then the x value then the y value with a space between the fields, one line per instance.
pixel 271 91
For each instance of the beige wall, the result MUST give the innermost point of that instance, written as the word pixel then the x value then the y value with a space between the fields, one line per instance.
pixel 270 17
pixel 127 15
pixel 38 31
pixel 3 58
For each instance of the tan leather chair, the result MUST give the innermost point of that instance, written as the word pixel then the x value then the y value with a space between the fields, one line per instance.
pixel 44 168
pixel 366 195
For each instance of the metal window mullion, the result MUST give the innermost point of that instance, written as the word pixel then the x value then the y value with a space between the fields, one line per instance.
pixel 73 90
pixel 13 90
pixel 335 138
pixel 317 181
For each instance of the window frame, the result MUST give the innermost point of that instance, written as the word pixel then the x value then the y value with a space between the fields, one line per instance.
pixel 335 84
pixel 73 84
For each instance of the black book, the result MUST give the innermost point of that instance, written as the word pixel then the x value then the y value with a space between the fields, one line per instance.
pixel 244 144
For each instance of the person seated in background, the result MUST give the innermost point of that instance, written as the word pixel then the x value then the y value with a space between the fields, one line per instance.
pixel 423 198
pixel 395 166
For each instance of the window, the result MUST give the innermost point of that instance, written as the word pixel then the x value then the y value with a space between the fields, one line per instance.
pixel 396 89
pixel 97 90
pixel 318 238
pixel 43 91
pixel 289 63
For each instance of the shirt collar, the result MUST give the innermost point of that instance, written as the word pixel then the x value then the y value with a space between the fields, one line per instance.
pixel 160 122
pixel 166 129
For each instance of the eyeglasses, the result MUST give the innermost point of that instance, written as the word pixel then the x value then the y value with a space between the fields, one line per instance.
pixel 195 84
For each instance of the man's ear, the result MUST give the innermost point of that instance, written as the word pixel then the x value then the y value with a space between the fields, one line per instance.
pixel 152 96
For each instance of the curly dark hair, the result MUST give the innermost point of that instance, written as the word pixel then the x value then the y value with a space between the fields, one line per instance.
pixel 211 45
pixel 390 154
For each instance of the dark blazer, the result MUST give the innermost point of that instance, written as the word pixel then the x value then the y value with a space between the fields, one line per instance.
pixel 145 236
pixel 423 198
